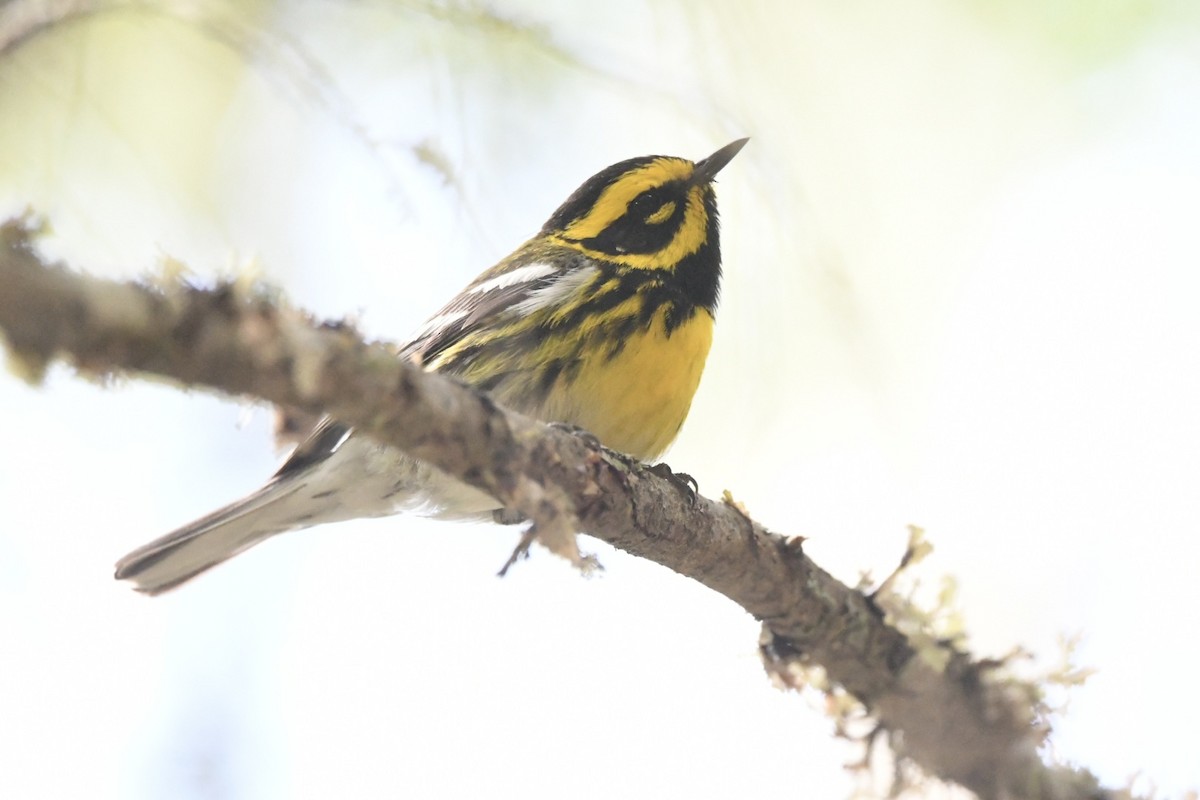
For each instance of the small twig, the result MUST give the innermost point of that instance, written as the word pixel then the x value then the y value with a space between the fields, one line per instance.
pixel 520 552
pixel 960 720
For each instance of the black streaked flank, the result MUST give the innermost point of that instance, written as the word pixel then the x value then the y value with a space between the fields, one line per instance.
pixel 547 375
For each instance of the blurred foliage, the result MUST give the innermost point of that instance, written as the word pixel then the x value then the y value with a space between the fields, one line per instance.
pixel 1084 33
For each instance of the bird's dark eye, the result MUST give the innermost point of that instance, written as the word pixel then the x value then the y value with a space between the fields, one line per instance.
pixel 652 207
pixel 648 223
pixel 647 201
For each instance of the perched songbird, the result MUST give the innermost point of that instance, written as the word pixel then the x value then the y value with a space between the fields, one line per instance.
pixel 601 321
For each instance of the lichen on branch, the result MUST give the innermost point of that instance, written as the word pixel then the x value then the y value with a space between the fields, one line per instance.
pixel 958 718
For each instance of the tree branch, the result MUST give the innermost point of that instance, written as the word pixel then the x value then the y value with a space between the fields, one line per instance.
pixel 960 719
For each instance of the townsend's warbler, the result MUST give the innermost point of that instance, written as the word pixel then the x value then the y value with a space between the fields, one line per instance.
pixel 602 321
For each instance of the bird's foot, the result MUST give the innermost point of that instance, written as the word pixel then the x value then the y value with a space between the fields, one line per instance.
pixel 685 484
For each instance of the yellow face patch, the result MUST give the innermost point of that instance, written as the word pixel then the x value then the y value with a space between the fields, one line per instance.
pixel 615 200
pixel 663 214
pixel 690 236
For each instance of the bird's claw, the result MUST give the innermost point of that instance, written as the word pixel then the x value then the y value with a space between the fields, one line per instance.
pixel 685 484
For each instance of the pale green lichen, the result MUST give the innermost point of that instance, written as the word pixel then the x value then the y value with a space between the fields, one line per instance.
pixel 935 633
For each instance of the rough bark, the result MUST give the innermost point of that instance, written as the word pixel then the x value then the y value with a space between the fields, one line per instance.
pixel 960 719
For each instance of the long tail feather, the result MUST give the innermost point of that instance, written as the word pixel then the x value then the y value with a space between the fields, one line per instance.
pixel 198 546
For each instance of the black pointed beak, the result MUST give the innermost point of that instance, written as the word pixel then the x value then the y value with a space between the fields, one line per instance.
pixel 707 168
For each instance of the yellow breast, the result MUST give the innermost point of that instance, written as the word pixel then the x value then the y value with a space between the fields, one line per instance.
pixel 637 401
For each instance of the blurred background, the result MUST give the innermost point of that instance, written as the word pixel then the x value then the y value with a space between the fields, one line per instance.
pixel 961 263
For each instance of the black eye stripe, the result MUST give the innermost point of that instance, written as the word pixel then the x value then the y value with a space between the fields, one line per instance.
pixel 631 233
pixel 584 198
pixel 652 200
pixel 650 221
